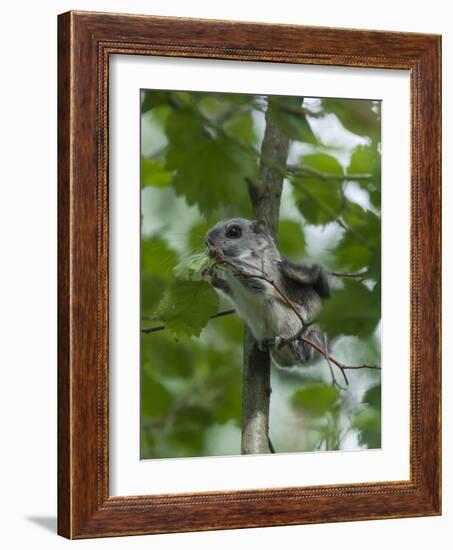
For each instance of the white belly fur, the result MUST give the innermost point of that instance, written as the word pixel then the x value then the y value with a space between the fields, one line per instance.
pixel 264 313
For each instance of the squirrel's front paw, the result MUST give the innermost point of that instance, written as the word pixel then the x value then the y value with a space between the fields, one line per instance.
pixel 207 272
pixel 211 275
pixel 216 254
pixel 280 342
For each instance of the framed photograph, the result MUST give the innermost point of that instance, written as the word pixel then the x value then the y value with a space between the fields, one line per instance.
pixel 249 275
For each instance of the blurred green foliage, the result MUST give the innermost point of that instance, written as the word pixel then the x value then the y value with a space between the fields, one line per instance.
pixel 198 149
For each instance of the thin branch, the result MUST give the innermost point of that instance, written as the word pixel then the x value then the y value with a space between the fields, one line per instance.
pixel 305 170
pixel 337 363
pixel 298 335
pixel 329 364
pixel 326 209
pixel 356 275
pixel 149 330
pixel 285 170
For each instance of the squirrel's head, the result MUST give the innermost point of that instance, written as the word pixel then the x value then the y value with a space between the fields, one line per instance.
pixel 238 237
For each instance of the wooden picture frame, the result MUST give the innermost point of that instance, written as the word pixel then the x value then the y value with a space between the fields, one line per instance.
pixel 85 42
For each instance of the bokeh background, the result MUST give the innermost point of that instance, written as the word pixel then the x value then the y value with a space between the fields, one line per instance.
pixel 197 150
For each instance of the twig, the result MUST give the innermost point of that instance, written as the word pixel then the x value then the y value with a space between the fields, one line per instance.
pixel 298 335
pixel 305 170
pixel 149 330
pixel 287 170
pixel 329 364
pixel 357 274
pixel 337 363
pixel 284 170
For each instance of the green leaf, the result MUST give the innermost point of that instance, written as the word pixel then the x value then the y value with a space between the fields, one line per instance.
pixel 368 160
pixel 154 173
pixel 372 397
pixel 319 201
pixel 322 162
pixel 368 422
pixel 154 98
pixel 197 235
pixel 187 432
pixel 158 259
pixel 287 113
pixel 353 310
pixel 187 306
pixel 240 126
pixel 155 399
pixel 152 289
pixel 190 269
pixel 229 405
pixel 355 216
pixel 364 160
pixel 362 117
pixel 162 356
pixel 375 195
pixel 210 169
pixel 368 224
pixel 231 328
pixel 157 263
pixel 351 254
pixel 316 400
pixel 228 382
pixel 217 106
pixel 291 239
pixel 361 245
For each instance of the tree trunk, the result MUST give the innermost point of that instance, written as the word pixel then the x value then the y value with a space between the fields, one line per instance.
pixel 265 197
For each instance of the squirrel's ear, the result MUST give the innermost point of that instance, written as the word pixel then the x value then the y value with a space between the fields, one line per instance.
pixel 259 226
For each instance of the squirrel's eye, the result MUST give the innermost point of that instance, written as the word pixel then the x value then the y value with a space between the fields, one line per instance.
pixel 234 232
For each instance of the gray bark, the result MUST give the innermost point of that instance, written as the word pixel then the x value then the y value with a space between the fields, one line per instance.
pixel 265 196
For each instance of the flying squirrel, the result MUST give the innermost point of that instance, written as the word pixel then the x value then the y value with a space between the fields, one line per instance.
pixel 243 248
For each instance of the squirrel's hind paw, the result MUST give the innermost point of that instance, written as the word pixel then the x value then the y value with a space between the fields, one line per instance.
pixel 265 345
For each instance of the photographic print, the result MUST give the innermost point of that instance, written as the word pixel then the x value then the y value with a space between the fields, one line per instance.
pixel 260 274
pixel 219 281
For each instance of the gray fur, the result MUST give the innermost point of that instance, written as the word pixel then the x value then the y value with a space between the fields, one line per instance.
pixel 256 301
